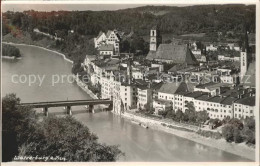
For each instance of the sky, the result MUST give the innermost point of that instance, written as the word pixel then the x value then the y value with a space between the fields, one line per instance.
pixel 71 7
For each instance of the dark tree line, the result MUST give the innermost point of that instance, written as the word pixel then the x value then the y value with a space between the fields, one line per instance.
pixel 10 51
pixel 177 20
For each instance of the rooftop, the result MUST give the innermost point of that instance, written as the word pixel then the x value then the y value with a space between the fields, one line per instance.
pixel 250 101
pixel 106 47
pixel 174 52
pixel 195 94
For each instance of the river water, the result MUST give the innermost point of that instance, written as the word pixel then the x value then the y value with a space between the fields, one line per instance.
pixel 137 143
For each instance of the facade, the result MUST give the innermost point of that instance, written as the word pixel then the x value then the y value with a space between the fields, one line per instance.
pixel 100 39
pixel 155 39
pixel 243 63
pixel 228 58
pixel 245 107
pixel 211 47
pixel 110 38
pixel 106 50
pixel 145 97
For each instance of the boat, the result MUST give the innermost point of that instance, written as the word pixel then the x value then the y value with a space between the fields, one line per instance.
pixel 135 122
pixel 144 125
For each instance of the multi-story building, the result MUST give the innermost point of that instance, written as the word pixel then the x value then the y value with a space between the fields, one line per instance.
pixel 110 38
pixel 245 107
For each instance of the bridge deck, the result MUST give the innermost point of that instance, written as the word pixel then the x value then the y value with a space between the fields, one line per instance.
pixel 67 103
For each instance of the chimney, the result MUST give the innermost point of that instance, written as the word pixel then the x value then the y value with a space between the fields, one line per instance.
pixel 149 85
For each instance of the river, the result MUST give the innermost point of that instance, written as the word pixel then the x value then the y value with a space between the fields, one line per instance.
pixel 139 144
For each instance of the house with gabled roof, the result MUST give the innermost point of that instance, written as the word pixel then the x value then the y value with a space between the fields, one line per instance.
pixel 100 39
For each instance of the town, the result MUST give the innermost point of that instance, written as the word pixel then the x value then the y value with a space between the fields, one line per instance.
pixel 141 83
pixel 224 88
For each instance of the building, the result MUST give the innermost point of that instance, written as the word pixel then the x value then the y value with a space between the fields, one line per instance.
pixel 243 63
pixel 113 38
pixel 106 50
pixel 110 38
pixel 155 39
pixel 228 58
pixel 245 107
pixel 169 53
pixel 169 92
pixel 211 47
pixel 161 105
pixel 145 96
pixel 100 39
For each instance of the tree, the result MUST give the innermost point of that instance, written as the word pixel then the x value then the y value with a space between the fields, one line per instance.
pixel 64 136
pixel 190 112
pixel 227 132
pixel 179 115
pixel 10 51
pixel 232 131
pixel 17 122
pixel 170 114
pixel 202 116
pixel 248 132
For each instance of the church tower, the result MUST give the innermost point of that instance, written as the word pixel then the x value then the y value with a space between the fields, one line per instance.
pixel 244 57
pixel 155 39
pixel 243 63
pixel 129 71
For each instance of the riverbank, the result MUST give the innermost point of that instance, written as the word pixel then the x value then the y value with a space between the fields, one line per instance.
pixel 238 149
pixel 63 55
pixel 9 57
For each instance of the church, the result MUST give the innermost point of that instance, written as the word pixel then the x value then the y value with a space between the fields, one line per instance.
pixel 169 53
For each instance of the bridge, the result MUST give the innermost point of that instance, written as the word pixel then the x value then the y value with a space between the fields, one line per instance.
pixel 68 104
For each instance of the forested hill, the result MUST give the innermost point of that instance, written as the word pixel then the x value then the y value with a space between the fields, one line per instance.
pixel 175 20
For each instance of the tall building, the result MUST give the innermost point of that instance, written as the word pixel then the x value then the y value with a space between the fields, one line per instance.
pixel 155 39
pixel 243 63
pixel 244 57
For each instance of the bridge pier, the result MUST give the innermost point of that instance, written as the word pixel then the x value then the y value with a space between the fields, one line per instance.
pixel 45 111
pixel 110 107
pixel 69 112
pixel 91 108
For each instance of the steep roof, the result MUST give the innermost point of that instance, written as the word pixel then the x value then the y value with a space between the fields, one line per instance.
pixel 100 33
pixel 108 33
pixel 176 53
pixel 106 47
pixel 247 101
pixel 172 88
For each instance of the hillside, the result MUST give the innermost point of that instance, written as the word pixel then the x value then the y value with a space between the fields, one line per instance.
pixel 175 20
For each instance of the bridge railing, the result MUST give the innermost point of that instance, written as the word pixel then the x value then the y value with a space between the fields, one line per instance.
pixel 65 101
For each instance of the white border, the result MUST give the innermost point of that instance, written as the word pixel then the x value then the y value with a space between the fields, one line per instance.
pixel 159 2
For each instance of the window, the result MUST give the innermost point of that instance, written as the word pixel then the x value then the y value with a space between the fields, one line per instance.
pixel 251 111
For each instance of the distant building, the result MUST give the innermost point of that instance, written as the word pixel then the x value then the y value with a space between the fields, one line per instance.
pixel 100 39
pixel 244 107
pixel 211 47
pixel 155 39
pixel 169 53
pixel 243 63
pixel 106 50
pixel 228 58
pixel 110 38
